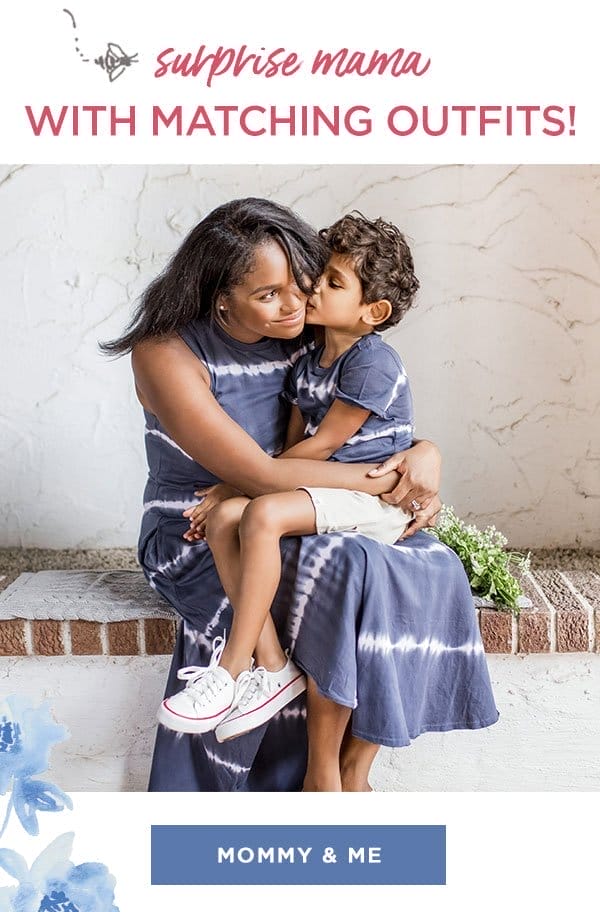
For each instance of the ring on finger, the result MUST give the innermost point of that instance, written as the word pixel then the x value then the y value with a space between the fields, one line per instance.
pixel 415 505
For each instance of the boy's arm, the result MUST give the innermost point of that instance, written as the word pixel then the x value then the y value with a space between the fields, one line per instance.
pixel 340 423
pixel 295 430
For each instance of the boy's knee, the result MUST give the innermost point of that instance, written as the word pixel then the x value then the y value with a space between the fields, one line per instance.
pixel 261 515
pixel 222 518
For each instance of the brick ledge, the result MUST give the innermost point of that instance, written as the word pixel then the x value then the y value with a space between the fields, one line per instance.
pixel 535 632
pixel 147 636
pixel 564 617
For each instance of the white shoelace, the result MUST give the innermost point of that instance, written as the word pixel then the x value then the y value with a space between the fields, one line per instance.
pixel 256 681
pixel 202 682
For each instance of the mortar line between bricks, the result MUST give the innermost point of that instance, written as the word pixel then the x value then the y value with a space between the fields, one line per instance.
pixel 586 607
pixel 514 639
pixel 28 636
pixel 66 638
pixel 141 637
pixel 104 639
pixel 551 611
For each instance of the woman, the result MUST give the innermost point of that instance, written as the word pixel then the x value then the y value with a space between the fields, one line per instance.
pixel 388 631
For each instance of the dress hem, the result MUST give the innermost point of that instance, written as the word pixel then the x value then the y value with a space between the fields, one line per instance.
pixel 395 742
pixel 328 693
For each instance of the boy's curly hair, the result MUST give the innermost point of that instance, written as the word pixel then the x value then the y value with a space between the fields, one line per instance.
pixel 381 259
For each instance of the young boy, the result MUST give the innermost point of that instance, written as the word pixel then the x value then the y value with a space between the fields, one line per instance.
pixel 351 402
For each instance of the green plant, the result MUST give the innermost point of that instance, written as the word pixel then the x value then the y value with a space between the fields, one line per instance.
pixel 484 556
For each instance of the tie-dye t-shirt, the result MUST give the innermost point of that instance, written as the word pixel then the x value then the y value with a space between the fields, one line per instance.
pixel 369 375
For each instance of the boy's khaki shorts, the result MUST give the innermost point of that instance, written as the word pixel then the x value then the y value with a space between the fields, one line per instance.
pixel 339 510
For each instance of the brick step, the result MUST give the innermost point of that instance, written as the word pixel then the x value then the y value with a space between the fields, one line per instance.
pixel 564 615
pixel 143 636
pixel 84 612
pixel 53 613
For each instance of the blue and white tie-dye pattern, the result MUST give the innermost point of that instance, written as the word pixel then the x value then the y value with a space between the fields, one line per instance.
pixel 387 630
pixel 369 375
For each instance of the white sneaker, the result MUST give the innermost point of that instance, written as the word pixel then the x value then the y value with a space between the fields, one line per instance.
pixel 205 700
pixel 262 694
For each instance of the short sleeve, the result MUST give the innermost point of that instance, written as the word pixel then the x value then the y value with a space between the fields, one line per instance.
pixel 290 387
pixel 372 378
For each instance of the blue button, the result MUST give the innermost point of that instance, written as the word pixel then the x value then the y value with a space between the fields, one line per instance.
pixel 298 855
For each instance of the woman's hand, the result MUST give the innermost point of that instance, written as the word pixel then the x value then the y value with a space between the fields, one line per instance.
pixel 424 518
pixel 420 470
pixel 197 515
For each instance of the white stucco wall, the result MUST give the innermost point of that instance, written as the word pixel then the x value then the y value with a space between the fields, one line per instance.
pixel 502 349
pixel 547 738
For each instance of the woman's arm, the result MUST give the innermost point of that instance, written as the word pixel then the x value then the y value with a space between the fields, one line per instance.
pixel 173 385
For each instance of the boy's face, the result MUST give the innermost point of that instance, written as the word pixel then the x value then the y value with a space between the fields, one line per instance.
pixel 337 301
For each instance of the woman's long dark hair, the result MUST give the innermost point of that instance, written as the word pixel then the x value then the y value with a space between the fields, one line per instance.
pixel 214 257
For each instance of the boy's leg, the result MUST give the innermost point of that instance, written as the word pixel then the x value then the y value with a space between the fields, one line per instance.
pixel 222 524
pixel 216 697
pixel 222 534
pixel 327 722
pixel 264 522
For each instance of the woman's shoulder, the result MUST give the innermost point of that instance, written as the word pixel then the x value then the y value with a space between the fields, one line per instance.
pixel 157 349
pixel 161 361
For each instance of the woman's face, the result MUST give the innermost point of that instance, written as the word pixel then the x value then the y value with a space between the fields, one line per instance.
pixel 267 302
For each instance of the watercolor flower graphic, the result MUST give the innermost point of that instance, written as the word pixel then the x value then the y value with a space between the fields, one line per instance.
pixel 55 884
pixel 27 734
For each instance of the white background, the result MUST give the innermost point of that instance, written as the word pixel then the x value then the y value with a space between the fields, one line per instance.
pixel 509 53
pixel 504 850
pixel 531 851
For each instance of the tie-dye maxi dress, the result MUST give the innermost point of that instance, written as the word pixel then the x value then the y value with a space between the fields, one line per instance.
pixel 387 630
